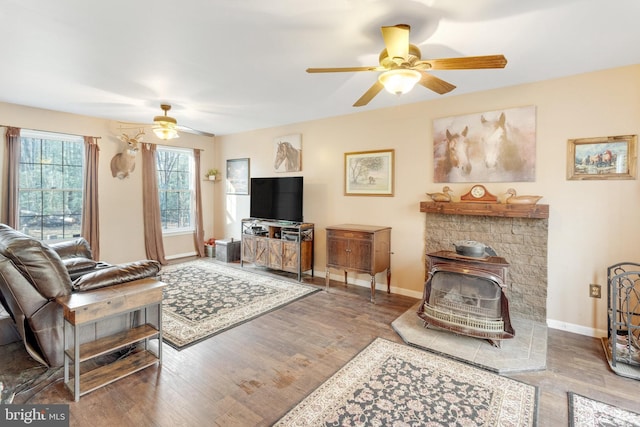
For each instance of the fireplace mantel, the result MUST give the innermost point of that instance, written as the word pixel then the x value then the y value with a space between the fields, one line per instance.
pixel 506 210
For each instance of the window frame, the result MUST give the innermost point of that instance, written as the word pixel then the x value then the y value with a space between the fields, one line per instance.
pixel 65 192
pixel 191 190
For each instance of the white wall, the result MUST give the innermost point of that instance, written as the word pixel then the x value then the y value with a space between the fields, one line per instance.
pixel 592 224
pixel 121 214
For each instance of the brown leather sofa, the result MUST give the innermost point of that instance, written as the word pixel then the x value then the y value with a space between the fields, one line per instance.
pixel 34 274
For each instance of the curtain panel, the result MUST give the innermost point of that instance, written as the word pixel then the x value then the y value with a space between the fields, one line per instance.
pixel 151 205
pixel 198 236
pixel 90 209
pixel 11 167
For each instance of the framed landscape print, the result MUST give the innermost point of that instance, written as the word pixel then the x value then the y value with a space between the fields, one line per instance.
pixel 609 157
pixel 237 181
pixel 369 173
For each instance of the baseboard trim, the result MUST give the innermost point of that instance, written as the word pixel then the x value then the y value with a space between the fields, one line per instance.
pixel 382 286
pixel 184 255
pixel 576 329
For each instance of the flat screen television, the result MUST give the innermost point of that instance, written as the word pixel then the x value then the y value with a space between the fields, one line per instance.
pixel 278 198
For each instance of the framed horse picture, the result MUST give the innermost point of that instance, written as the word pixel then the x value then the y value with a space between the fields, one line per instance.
pixel 493 146
pixel 287 153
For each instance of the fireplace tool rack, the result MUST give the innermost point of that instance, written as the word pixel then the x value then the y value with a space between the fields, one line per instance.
pixel 623 318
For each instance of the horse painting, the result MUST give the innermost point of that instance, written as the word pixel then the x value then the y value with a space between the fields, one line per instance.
pixel 287 156
pixel 454 154
pixel 495 146
pixel 500 151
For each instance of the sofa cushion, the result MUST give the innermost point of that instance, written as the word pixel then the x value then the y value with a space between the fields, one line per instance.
pixel 40 264
pixel 76 248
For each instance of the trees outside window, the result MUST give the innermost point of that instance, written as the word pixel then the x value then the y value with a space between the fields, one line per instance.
pixel 50 185
pixel 176 189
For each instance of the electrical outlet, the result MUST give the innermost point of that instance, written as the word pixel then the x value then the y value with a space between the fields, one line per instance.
pixel 595 291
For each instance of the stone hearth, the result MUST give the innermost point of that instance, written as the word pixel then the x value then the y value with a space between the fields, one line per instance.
pixel 519 235
pixel 526 352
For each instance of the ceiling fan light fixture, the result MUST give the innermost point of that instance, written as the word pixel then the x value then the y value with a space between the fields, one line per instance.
pixel 165 127
pixel 399 80
pixel 165 132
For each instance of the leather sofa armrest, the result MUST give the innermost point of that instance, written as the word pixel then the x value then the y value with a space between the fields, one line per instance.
pixel 116 275
pixel 76 248
pixel 76 264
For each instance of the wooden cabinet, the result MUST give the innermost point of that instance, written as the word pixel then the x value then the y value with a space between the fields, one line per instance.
pixel 85 309
pixel 278 245
pixel 361 249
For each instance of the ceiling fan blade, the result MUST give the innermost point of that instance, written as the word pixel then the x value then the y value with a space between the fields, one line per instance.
pixel 465 63
pixel 369 94
pixel 396 40
pixel 344 69
pixel 194 131
pixel 435 84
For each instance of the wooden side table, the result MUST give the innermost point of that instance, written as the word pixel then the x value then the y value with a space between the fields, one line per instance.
pixel 83 308
pixel 359 248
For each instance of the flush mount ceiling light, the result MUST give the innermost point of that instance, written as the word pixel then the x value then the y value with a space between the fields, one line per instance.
pixel 165 127
pixel 399 80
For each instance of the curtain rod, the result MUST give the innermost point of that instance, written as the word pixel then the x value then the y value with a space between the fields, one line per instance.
pixel 171 146
pixel 50 131
pixel 99 137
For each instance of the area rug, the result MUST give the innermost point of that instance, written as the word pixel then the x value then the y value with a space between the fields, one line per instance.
pixel 391 384
pixel 203 298
pixel 588 412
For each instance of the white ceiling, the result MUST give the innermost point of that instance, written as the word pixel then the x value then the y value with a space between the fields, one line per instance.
pixel 231 66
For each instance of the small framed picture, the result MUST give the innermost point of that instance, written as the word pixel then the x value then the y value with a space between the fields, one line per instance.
pixel 369 173
pixel 237 181
pixel 287 153
pixel 608 157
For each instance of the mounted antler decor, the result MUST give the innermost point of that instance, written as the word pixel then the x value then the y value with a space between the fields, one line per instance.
pixel 123 163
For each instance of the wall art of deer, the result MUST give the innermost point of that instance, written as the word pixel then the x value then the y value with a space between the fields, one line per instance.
pixel 123 163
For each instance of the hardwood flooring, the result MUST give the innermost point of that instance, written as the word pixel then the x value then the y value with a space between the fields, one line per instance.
pixel 253 374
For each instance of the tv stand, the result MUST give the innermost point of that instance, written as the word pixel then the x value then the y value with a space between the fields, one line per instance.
pixel 279 245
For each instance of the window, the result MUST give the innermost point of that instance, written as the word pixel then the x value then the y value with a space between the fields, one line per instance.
pixel 50 185
pixel 176 189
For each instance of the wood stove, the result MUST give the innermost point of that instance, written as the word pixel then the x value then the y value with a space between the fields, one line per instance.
pixel 466 295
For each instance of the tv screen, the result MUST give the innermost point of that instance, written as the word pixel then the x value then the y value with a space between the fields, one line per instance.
pixel 277 198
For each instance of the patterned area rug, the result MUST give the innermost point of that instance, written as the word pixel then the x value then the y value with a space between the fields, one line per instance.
pixel 588 412
pixel 202 299
pixel 390 384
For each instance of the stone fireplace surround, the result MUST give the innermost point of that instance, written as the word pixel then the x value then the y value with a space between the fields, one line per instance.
pixel 518 233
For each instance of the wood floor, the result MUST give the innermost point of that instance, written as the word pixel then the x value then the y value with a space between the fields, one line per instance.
pixel 253 374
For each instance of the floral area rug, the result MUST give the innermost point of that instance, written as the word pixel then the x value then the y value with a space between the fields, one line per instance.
pixel 391 384
pixel 588 412
pixel 202 299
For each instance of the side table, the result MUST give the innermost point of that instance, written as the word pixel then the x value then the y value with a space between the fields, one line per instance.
pixel 81 309
pixel 359 248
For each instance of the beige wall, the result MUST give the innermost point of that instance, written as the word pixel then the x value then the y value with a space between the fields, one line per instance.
pixel 121 214
pixel 592 224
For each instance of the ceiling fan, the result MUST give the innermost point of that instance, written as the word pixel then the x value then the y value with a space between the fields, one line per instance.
pixel 164 126
pixel 402 66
